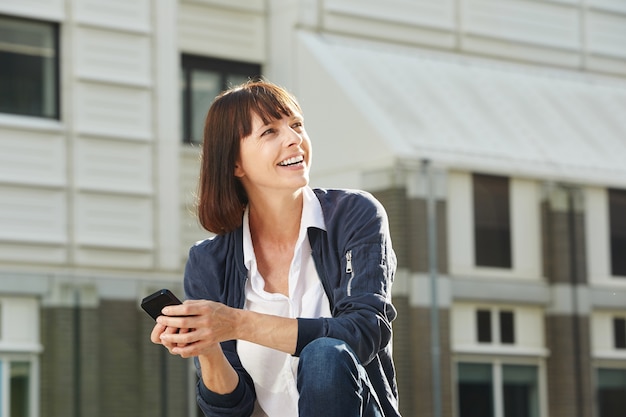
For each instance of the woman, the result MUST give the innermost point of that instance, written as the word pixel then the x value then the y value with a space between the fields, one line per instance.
pixel 288 307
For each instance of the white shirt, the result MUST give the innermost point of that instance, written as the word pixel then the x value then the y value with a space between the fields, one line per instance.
pixel 273 372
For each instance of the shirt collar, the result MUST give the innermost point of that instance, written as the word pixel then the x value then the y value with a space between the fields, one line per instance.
pixel 312 216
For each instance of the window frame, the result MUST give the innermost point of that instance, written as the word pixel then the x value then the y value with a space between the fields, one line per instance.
pixel 499 190
pixel 619 333
pixel 490 328
pixel 56 43
pixel 596 377
pixel 616 200
pixel 497 363
pixel 224 68
pixel 525 204
pixel 33 384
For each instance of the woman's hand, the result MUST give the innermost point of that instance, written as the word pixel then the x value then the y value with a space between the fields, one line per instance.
pixel 204 324
pixel 195 327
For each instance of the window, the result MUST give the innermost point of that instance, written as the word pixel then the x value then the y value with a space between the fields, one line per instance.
pixel 617 222
pixel 485 330
pixel 619 333
pixel 611 392
pixel 29 67
pixel 492 225
pixel 497 390
pixel 17 376
pixel 483 320
pixel 475 390
pixel 507 328
pixel 201 80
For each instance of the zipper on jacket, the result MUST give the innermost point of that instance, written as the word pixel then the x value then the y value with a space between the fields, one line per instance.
pixel 349 271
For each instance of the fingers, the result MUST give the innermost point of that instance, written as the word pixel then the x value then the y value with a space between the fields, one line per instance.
pixel 191 328
pixel 155 336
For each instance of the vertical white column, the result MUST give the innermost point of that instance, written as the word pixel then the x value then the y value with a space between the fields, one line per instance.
pixel 167 138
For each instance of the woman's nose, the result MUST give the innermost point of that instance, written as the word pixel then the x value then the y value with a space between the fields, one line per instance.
pixel 293 137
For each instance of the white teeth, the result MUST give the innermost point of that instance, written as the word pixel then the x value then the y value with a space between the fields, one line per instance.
pixel 291 161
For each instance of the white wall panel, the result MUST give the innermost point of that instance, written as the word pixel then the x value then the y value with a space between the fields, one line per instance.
pixel 597 235
pixel 526 227
pixel 33 253
pixel 114 221
pixel 460 217
pixel 387 30
pixel 437 14
pixel 109 110
pixel 19 322
pixel 190 229
pixel 519 51
pixel 32 157
pixel 117 258
pixel 529 328
pixel 114 56
pixel 43 9
pixel 222 33
pixel 132 15
pixel 112 165
pixel 540 23
pixel 602 338
pixel 603 64
pixel 606 34
pixel 607 5
pixel 418 22
pixel 32 214
pixel 250 5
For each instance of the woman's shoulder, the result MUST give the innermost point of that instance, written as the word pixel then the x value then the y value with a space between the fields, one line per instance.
pixel 346 198
pixel 213 245
pixel 349 208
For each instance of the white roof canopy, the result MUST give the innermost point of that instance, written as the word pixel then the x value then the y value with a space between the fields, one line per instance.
pixel 478 114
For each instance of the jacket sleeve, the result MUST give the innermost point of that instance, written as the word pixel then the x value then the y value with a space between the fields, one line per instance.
pixel 203 278
pixel 358 269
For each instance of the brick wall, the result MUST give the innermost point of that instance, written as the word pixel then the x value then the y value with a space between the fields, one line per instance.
pixel 99 362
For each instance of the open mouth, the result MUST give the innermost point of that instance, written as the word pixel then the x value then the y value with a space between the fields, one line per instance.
pixel 291 161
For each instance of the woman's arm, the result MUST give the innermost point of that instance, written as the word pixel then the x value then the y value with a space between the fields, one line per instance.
pixel 212 323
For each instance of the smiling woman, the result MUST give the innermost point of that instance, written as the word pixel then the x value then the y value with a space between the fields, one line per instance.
pixel 289 305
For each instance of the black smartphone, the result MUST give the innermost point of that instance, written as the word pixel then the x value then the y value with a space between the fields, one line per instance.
pixel 154 303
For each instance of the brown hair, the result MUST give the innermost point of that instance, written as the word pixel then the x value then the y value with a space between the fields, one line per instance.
pixel 221 196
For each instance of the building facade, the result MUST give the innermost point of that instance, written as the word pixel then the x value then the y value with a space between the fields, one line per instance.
pixel 492 131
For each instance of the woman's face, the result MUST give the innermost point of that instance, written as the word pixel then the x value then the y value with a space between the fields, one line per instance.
pixel 275 156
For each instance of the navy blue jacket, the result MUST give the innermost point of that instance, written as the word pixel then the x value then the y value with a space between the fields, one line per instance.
pixel 356 264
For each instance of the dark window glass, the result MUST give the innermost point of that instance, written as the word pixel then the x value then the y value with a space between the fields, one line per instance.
pixel 201 80
pixel 611 392
pixel 507 327
pixel 483 324
pixel 619 333
pixel 520 391
pixel 29 67
pixel 19 389
pixel 475 390
pixel 492 226
pixel 617 221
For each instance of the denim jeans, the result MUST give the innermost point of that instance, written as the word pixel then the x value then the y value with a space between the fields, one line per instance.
pixel 333 383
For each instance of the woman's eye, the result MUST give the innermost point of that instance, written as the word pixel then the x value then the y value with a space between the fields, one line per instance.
pixel 267 132
pixel 297 125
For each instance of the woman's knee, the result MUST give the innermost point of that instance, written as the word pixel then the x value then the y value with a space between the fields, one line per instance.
pixel 328 360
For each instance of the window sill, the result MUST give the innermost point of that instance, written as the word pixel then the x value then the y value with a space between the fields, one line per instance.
pixel 610 354
pixel 30 123
pixel 501 350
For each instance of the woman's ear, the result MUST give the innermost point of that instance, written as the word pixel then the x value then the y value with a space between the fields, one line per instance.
pixel 238 170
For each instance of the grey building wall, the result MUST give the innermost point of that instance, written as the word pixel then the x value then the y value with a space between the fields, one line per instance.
pixel 99 361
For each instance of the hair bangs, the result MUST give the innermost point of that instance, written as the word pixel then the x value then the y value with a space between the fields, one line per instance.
pixel 267 101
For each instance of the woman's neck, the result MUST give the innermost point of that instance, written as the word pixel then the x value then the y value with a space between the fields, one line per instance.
pixel 276 219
